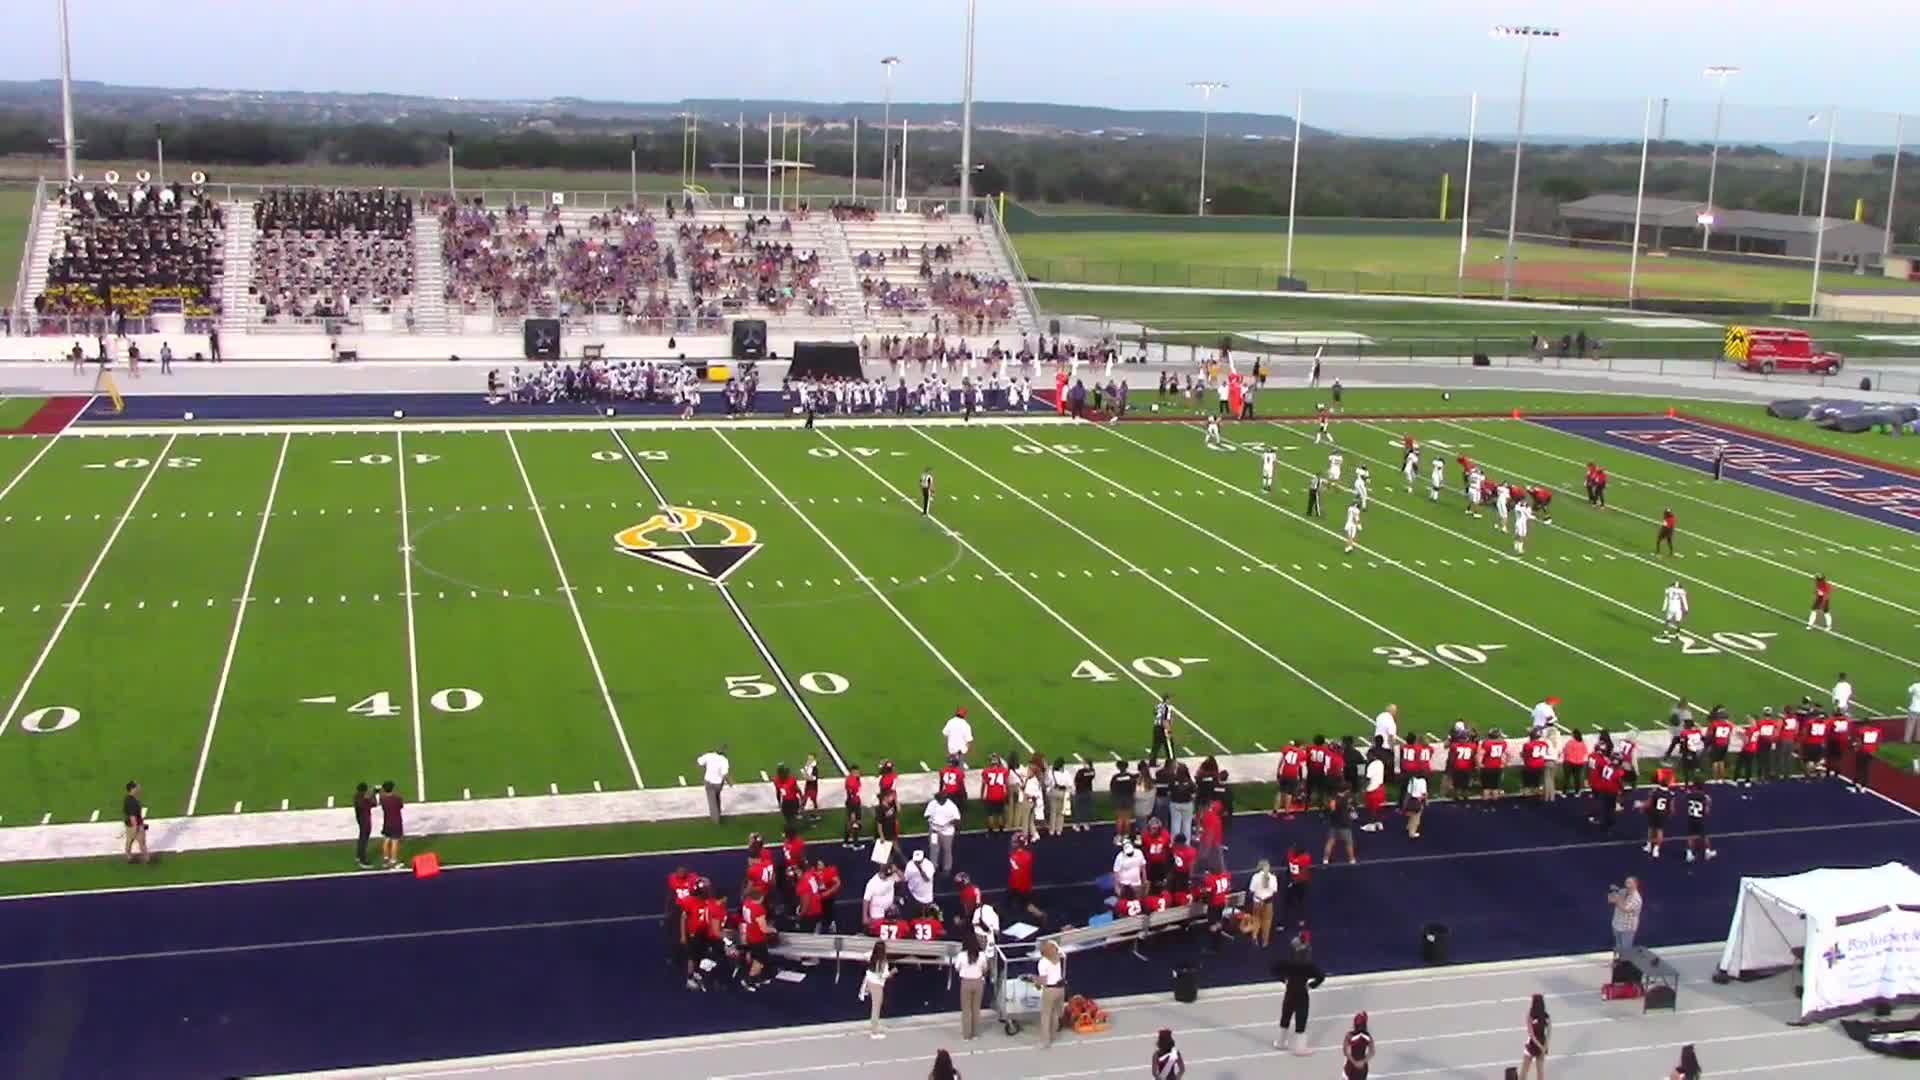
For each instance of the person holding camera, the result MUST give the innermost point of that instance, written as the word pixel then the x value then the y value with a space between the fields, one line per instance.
pixel 135 817
pixel 1626 902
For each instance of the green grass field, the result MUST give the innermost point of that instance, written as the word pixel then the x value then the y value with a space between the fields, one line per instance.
pixel 1401 264
pixel 408 617
pixel 1386 328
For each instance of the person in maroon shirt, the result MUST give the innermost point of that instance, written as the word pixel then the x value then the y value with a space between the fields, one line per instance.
pixel 1866 744
pixel 1020 879
pixel 1600 488
pixel 1541 499
pixel 993 792
pixel 1185 860
pixel 1534 763
pixel 1319 759
pixel 1213 838
pixel 1666 532
pixel 363 819
pixel 392 829
pixel 755 933
pixel 786 792
pixel 1822 602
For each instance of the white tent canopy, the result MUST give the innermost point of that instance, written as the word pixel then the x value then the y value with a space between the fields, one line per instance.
pixel 1854 935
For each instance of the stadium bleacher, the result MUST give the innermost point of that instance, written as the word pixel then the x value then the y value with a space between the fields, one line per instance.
pixel 121 250
pixel 390 263
pixel 330 253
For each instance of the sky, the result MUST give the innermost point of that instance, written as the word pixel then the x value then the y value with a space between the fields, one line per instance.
pixel 1386 66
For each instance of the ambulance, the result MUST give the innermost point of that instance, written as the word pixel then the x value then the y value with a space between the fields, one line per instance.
pixel 1767 349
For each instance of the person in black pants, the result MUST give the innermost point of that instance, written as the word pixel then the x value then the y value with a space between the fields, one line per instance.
pixel 1301 975
pixel 926 490
pixel 1162 729
pixel 1313 497
pixel 1719 461
pixel 363 817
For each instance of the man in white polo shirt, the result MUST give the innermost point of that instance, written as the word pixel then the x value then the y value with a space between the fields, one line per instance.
pixel 959 734
pixel 943 820
pixel 1913 712
pixel 714 773
pixel 1387 725
pixel 919 878
pixel 878 899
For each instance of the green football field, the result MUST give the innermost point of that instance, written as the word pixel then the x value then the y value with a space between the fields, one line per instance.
pixel 450 608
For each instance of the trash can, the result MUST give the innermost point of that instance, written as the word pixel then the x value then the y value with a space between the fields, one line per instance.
pixel 1186 982
pixel 1434 943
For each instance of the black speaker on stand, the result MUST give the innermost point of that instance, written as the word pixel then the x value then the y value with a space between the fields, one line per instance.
pixel 541 339
pixel 749 339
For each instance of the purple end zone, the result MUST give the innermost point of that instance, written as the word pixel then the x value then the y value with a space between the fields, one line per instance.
pixel 1828 480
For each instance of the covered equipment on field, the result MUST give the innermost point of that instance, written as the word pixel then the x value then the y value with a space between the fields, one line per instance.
pixel 1854 936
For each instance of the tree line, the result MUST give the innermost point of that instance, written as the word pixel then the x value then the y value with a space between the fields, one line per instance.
pixel 1338 176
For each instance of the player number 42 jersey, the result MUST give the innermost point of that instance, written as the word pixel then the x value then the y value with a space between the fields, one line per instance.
pixel 1675 599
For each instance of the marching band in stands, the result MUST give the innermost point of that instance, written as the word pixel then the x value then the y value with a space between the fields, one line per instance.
pixel 123 249
pixel 328 253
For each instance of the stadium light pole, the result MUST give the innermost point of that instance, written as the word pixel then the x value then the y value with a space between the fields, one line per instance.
pixel 1721 72
pixel 1527 35
pixel 1639 201
pixel 1893 189
pixel 1820 225
pixel 1806 163
pixel 1466 195
pixel 886 129
pixel 1206 88
pixel 66 93
pixel 966 119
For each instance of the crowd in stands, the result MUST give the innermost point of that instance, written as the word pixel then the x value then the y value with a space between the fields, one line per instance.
pixel 616 264
pixel 123 249
pixel 735 270
pixel 328 253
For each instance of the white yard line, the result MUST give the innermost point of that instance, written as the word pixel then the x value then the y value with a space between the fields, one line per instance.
pixel 80 594
pixel 1798 534
pixel 1233 631
pixel 1401 565
pixel 1008 577
pixel 746 624
pixel 859 576
pixel 1537 568
pixel 239 617
pixel 580 624
pixel 413 645
pixel 1671 568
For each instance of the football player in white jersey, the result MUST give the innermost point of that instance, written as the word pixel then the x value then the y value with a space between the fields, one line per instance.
pixel 1353 525
pixel 1334 462
pixel 1473 492
pixel 1269 457
pixel 1673 611
pixel 1410 468
pixel 1522 517
pixel 1501 505
pixel 1439 478
pixel 1360 478
pixel 1213 431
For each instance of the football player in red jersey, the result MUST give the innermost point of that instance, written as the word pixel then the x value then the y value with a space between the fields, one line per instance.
pixel 1719 740
pixel 694 939
pixel 1293 905
pixel 993 793
pixel 1541 498
pixel 1866 744
pixel 1600 488
pixel 1667 521
pixel 1493 764
pixel 786 793
pixel 755 933
pixel 760 870
pixel 1356 1050
pixel 1593 484
pixel 851 835
pixel 1292 762
pixel 1822 602
pixel 1157 845
pixel 1319 759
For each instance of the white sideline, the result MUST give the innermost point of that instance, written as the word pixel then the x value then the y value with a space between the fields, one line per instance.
pixel 239 617
pixel 579 622
pixel 540 423
pixel 209 832
pixel 878 594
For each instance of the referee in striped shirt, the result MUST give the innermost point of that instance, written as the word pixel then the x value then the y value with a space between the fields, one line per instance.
pixel 1162 729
